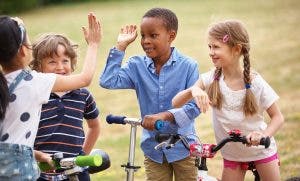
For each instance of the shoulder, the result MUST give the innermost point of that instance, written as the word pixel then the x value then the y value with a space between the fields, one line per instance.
pixel 183 57
pixel 257 80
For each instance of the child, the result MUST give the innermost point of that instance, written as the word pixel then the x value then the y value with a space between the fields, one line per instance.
pixel 60 128
pixel 156 78
pixel 28 90
pixel 238 96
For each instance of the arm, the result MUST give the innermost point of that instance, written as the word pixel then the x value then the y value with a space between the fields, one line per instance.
pixel 275 123
pixel 197 92
pixel 92 135
pixel 93 37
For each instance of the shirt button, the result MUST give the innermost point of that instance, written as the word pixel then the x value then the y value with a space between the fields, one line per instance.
pixel 161 106
pixel 110 55
pixel 161 87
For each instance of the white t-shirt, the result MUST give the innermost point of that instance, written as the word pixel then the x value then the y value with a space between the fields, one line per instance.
pixel 231 116
pixel 23 112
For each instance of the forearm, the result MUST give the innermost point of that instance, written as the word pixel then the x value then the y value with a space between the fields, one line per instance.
pixel 90 139
pixel 276 120
pixel 274 125
pixel 182 98
pixel 89 66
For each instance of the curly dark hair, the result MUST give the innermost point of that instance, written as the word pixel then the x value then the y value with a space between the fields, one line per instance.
pixel 169 17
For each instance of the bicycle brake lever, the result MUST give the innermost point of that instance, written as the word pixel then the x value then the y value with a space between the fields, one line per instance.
pixel 160 145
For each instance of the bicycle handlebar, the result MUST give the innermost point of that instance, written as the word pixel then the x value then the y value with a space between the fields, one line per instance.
pixel 203 150
pixel 110 119
pixel 65 163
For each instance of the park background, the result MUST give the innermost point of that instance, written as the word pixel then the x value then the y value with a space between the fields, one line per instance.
pixel 273 26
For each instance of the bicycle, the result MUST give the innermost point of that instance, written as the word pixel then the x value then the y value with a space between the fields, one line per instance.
pixel 130 168
pixel 202 151
pixel 69 168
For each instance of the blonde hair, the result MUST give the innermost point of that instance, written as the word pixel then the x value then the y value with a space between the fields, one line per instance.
pixel 232 32
pixel 46 46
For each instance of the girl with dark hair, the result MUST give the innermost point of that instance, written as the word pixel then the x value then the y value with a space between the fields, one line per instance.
pixel 239 96
pixel 26 91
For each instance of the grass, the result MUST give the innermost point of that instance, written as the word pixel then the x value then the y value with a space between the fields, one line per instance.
pixel 273 26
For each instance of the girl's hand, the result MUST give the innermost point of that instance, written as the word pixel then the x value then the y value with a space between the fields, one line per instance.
pixel 201 98
pixel 93 34
pixel 126 36
pixel 254 138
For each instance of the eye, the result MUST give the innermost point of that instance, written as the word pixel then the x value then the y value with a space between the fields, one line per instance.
pixel 66 60
pixel 51 62
pixel 154 35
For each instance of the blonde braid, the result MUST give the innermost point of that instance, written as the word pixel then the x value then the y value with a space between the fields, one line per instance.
pixel 214 91
pixel 250 105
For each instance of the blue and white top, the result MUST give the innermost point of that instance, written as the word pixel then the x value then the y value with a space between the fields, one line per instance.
pixel 154 93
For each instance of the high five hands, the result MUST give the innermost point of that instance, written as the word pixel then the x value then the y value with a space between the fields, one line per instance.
pixel 126 36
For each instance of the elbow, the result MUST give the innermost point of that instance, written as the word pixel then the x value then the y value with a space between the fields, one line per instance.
pixel 103 84
pixel 87 82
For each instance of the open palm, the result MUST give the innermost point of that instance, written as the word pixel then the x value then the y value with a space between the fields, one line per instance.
pixel 127 35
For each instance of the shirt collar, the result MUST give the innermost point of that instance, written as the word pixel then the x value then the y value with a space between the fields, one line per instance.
pixel 172 59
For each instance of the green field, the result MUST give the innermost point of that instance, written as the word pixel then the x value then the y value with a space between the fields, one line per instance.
pixel 274 30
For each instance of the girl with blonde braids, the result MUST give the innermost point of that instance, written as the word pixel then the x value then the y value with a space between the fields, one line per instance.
pixel 238 96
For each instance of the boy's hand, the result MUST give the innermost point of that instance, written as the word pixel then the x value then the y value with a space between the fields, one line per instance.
pixel 43 157
pixel 149 120
pixel 93 34
pixel 126 36
pixel 201 98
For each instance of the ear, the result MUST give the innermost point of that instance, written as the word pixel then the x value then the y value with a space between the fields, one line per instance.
pixel 237 49
pixel 172 35
pixel 21 52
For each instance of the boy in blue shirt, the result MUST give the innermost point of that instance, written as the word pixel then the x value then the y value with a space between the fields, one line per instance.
pixel 157 78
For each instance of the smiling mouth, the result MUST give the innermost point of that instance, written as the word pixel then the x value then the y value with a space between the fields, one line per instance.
pixel 148 50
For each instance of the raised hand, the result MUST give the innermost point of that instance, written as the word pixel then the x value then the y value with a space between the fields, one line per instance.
pixel 126 36
pixel 93 34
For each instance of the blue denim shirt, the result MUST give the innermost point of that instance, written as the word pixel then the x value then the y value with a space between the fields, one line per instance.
pixel 154 93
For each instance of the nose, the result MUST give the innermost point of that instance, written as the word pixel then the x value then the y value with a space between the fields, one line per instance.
pixel 211 52
pixel 59 66
pixel 146 40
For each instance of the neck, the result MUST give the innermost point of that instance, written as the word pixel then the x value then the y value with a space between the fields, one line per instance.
pixel 232 72
pixel 160 61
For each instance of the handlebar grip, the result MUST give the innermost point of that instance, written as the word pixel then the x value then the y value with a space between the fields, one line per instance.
pixel 110 119
pixel 88 160
pixel 265 141
pixel 159 124
pixel 44 166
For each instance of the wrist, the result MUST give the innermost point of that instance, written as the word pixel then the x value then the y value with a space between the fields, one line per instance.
pixel 121 47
